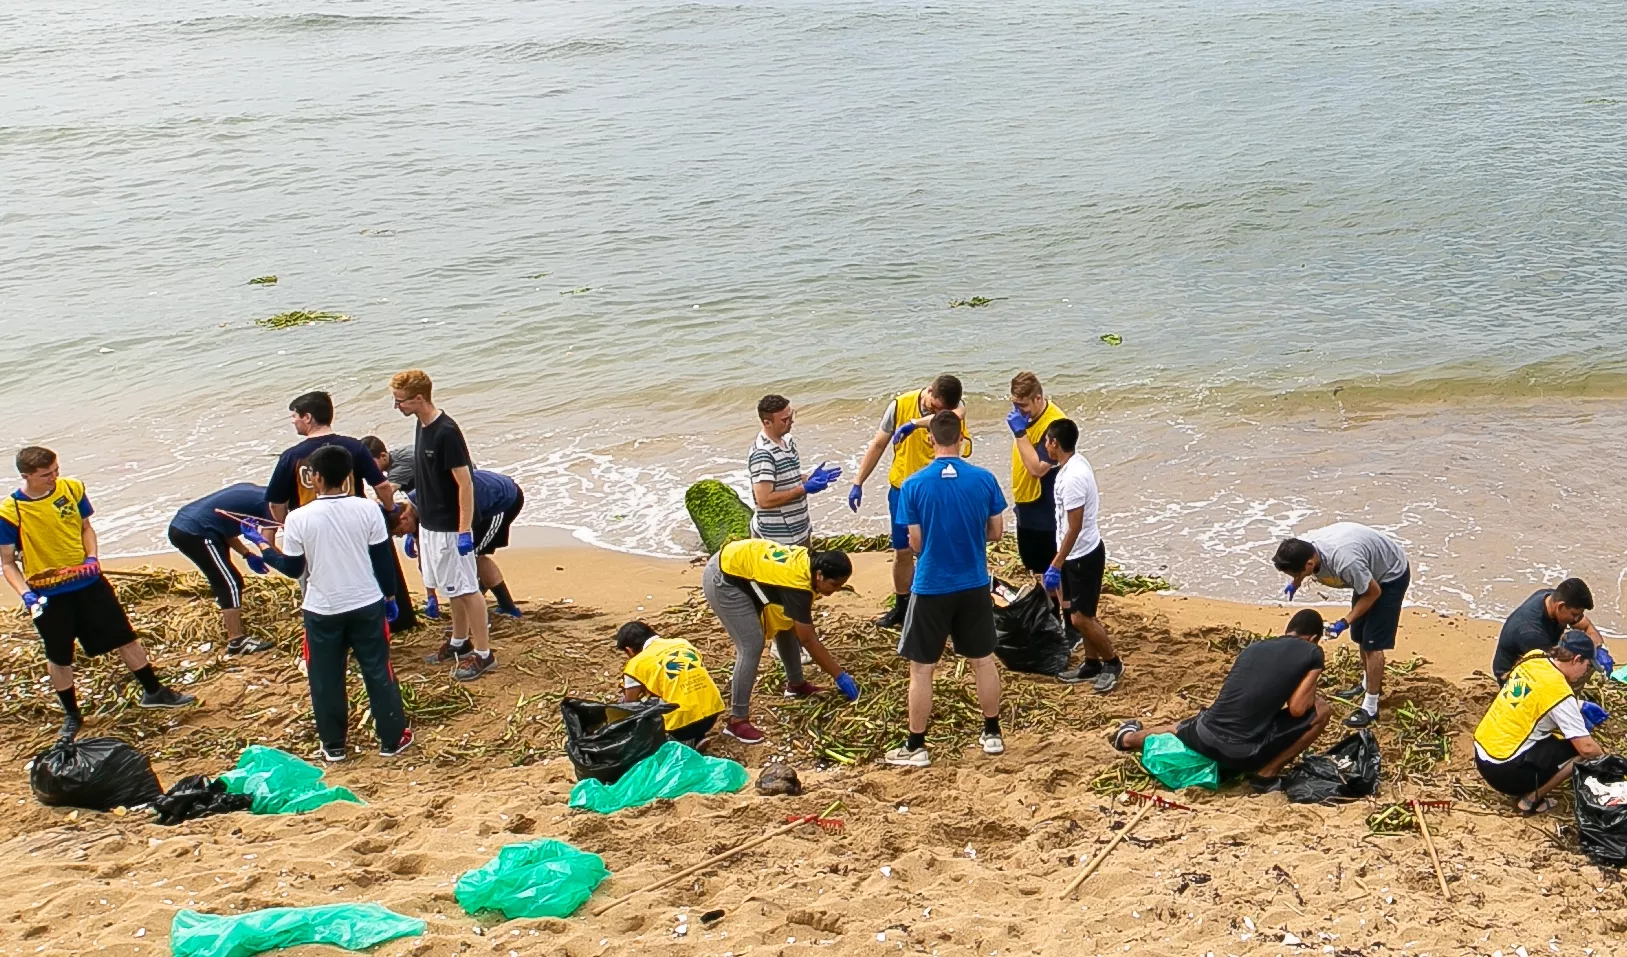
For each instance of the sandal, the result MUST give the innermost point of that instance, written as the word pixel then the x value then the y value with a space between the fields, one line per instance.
pixel 1126 729
pixel 1541 807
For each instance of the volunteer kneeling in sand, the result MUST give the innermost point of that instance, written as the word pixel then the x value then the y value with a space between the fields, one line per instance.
pixel 202 533
pixel 1536 729
pixel 1540 622
pixel 340 544
pixel 1267 711
pixel 670 669
pixel 1375 569
pixel 953 510
pixel 758 588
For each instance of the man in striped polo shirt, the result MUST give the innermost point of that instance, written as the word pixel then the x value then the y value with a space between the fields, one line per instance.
pixel 778 487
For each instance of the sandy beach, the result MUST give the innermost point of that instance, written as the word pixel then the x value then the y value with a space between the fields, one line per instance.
pixel 967 857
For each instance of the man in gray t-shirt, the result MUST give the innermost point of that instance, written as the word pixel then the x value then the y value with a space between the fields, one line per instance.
pixel 1375 569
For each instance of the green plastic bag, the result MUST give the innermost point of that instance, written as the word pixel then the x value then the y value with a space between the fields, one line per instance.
pixel 351 926
pixel 672 771
pixel 545 878
pixel 1177 766
pixel 281 783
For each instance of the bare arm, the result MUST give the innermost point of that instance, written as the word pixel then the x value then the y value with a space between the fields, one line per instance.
pixel 633 694
pixel 14 575
pixel 235 543
pixel 1586 747
pixel 87 536
pixel 1076 522
pixel 995 528
pixel 1364 604
pixel 764 495
pixel 1303 701
pixel 816 650
pixel 1586 625
pixel 915 539
pixel 872 455
pixel 466 498
pixel 1036 466
pixel 385 491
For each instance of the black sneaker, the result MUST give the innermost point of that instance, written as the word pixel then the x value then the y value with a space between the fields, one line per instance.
pixel 474 665
pixel 1075 639
pixel 1089 670
pixel 1360 718
pixel 247 646
pixel 449 652
pixel 895 615
pixel 166 698
pixel 70 727
pixel 1109 678
pixel 332 754
pixel 1352 693
pixel 404 744
pixel 1265 785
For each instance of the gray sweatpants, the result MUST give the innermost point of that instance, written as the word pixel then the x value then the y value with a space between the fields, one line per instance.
pixel 738 613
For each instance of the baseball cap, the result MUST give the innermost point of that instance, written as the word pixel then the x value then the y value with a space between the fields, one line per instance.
pixel 1578 644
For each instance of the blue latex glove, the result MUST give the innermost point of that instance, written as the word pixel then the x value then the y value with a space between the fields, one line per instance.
pixel 252 533
pixel 1338 628
pixel 390 609
pixel 1288 591
pixel 94 565
pixel 904 432
pixel 1016 421
pixel 466 542
pixel 847 686
pixel 432 608
pixel 821 479
pixel 1593 715
pixel 1053 578
pixel 409 544
pixel 35 603
pixel 855 497
pixel 256 564
pixel 1601 657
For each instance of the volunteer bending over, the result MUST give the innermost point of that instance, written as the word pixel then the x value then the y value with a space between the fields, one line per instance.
pixel 670 669
pixel 1536 728
pixel 759 588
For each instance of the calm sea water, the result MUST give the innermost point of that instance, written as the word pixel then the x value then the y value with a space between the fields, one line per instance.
pixel 1368 260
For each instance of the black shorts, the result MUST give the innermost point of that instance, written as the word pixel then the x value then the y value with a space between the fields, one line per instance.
pixel 213 558
pixel 91 614
pixel 495 535
pixel 1282 732
pixel 1082 581
pixel 1375 631
pixel 1036 547
pixel 931 620
pixel 1530 770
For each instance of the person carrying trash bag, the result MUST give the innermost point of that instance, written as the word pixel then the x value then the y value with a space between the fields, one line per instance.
pixel 760 589
pixel 1266 714
pixel 1536 729
pixel 669 669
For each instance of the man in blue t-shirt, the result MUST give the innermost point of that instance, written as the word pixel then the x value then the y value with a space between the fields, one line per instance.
pixel 200 532
pixel 953 510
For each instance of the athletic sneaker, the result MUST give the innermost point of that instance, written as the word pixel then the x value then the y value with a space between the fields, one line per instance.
pixel 1360 718
pixel 1109 678
pixel 903 757
pixel 895 615
pixel 1088 670
pixel 992 743
pixel 1075 639
pixel 244 645
pixel 404 744
pixel 1351 693
pixel 449 652
pixel 474 666
pixel 166 698
pixel 744 731
pixel 334 754
pixel 70 727
pixel 806 689
pixel 1125 729
pixel 510 612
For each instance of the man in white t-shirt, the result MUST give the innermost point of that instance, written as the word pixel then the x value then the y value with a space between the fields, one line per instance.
pixel 1081 557
pixel 340 543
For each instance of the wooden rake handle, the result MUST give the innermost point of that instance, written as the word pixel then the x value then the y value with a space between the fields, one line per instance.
pixel 1096 861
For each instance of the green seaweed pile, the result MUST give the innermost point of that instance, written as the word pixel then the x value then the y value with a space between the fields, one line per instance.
pixel 299 317
pixel 718 513
pixel 263 281
pixel 973 302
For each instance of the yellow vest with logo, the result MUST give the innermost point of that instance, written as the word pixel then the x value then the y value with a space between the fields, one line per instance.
pixel 1026 488
pixel 1533 689
pixel 671 669
pixel 784 566
pixel 915 452
pixel 50 528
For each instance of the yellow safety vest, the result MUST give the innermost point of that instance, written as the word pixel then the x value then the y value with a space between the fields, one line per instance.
pixel 1026 488
pixel 916 452
pixel 1533 689
pixel 769 563
pixel 50 528
pixel 671 669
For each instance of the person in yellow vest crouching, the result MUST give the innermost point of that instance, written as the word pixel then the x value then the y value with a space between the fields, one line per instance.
pixel 1536 728
pixel 904 426
pixel 670 669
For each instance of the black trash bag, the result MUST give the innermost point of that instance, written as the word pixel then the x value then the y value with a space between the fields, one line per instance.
pixel 604 741
pixel 1602 828
pixel 95 773
pixel 197 796
pixel 1348 771
pixel 1028 635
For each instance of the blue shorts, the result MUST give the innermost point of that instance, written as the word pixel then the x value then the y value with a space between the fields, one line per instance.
pixel 900 533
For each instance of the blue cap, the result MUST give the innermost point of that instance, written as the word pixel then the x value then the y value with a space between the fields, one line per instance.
pixel 1578 644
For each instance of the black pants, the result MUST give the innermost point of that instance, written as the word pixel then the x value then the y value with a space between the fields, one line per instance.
pixel 213 558
pixel 692 733
pixel 405 618
pixel 329 640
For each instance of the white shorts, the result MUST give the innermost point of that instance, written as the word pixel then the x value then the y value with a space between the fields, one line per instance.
pixel 450 574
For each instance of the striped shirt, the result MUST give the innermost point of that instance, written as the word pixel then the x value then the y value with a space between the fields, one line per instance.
pixel 770 462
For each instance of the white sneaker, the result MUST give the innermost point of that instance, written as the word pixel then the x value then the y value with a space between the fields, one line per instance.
pixel 905 758
pixel 992 743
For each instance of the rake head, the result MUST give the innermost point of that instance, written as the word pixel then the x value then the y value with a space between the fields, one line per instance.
pixel 1434 805
pixel 1142 797
pixel 830 825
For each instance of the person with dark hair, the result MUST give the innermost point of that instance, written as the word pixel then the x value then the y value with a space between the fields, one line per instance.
pixel 1033 476
pixel 952 509
pixel 1079 563
pixel 338 542
pixel 45 528
pixel 406 617
pixel 1375 569
pixel 290 484
pixel 498 502
pixel 762 590
pixel 1266 714
pixel 206 536
pixel 670 669
pixel 779 490
pixel 1541 620
pixel 1536 730
pixel 912 451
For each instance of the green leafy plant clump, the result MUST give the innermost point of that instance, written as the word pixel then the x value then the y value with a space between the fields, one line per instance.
pixel 718 513
pixel 577 291
pixel 263 281
pixel 299 317
pixel 1113 339
pixel 973 302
